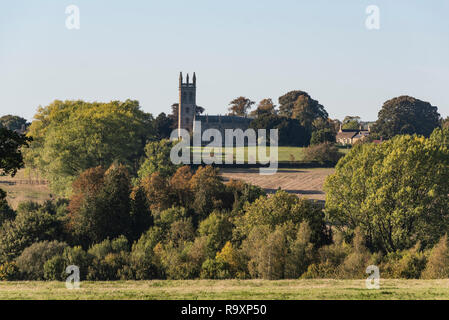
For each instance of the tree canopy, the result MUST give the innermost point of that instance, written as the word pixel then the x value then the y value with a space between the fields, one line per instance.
pixel 72 136
pixel 396 192
pixel 406 115
pixel 11 158
pixel 291 133
pixel 299 105
pixel 240 106
pixel 265 106
pixel 13 122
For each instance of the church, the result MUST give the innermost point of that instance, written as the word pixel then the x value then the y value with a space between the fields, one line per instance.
pixel 188 117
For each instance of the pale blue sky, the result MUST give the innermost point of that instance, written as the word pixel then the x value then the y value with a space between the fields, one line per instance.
pixel 256 48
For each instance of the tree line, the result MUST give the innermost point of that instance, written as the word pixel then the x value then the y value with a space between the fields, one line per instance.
pixel 124 211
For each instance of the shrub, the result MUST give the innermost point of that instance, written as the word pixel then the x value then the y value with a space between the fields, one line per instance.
pixel 28 227
pixel 110 258
pixel 330 257
pixel 54 269
pixel 31 261
pixel 438 264
pixel 9 271
pixel 406 264
pixel 143 263
pixel 215 269
pixel 323 153
pixel 355 263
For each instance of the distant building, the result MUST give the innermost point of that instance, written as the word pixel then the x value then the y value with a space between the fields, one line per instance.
pixel 187 114
pixel 349 137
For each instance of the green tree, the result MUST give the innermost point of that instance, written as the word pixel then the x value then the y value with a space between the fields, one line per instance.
pixel 299 105
pixel 351 123
pixel 100 206
pixel 73 136
pixel 240 106
pixel 218 230
pixel 6 213
pixel 31 261
pixel 11 158
pixel 406 115
pixel 279 209
pixel 395 192
pixel 291 133
pixel 13 123
pixel 209 192
pixel 163 126
pixel 157 159
pixel 32 224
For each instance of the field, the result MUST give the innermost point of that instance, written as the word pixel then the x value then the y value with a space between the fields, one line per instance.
pixel 25 186
pixel 285 154
pixel 28 186
pixel 229 289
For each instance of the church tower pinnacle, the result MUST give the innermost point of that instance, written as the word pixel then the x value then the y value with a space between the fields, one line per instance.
pixel 187 103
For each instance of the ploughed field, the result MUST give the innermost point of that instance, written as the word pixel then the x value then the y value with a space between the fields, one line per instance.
pixel 229 289
pixel 302 182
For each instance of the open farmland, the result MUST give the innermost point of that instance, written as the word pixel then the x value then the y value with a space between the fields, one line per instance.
pixel 25 186
pixel 303 182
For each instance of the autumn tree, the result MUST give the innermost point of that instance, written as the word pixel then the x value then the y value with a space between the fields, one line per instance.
pixel 299 105
pixel 100 206
pixel 445 123
pixel 265 107
pixel 240 106
pixel 437 265
pixel 158 192
pixel 180 186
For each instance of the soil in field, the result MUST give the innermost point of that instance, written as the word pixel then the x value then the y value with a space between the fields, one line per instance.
pixel 302 182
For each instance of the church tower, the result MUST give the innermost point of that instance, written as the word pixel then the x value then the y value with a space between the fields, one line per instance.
pixel 187 103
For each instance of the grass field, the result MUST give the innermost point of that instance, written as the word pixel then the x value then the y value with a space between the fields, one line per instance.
pixel 285 154
pixel 229 289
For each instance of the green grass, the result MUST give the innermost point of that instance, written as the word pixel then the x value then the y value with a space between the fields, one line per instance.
pixel 285 154
pixel 229 289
